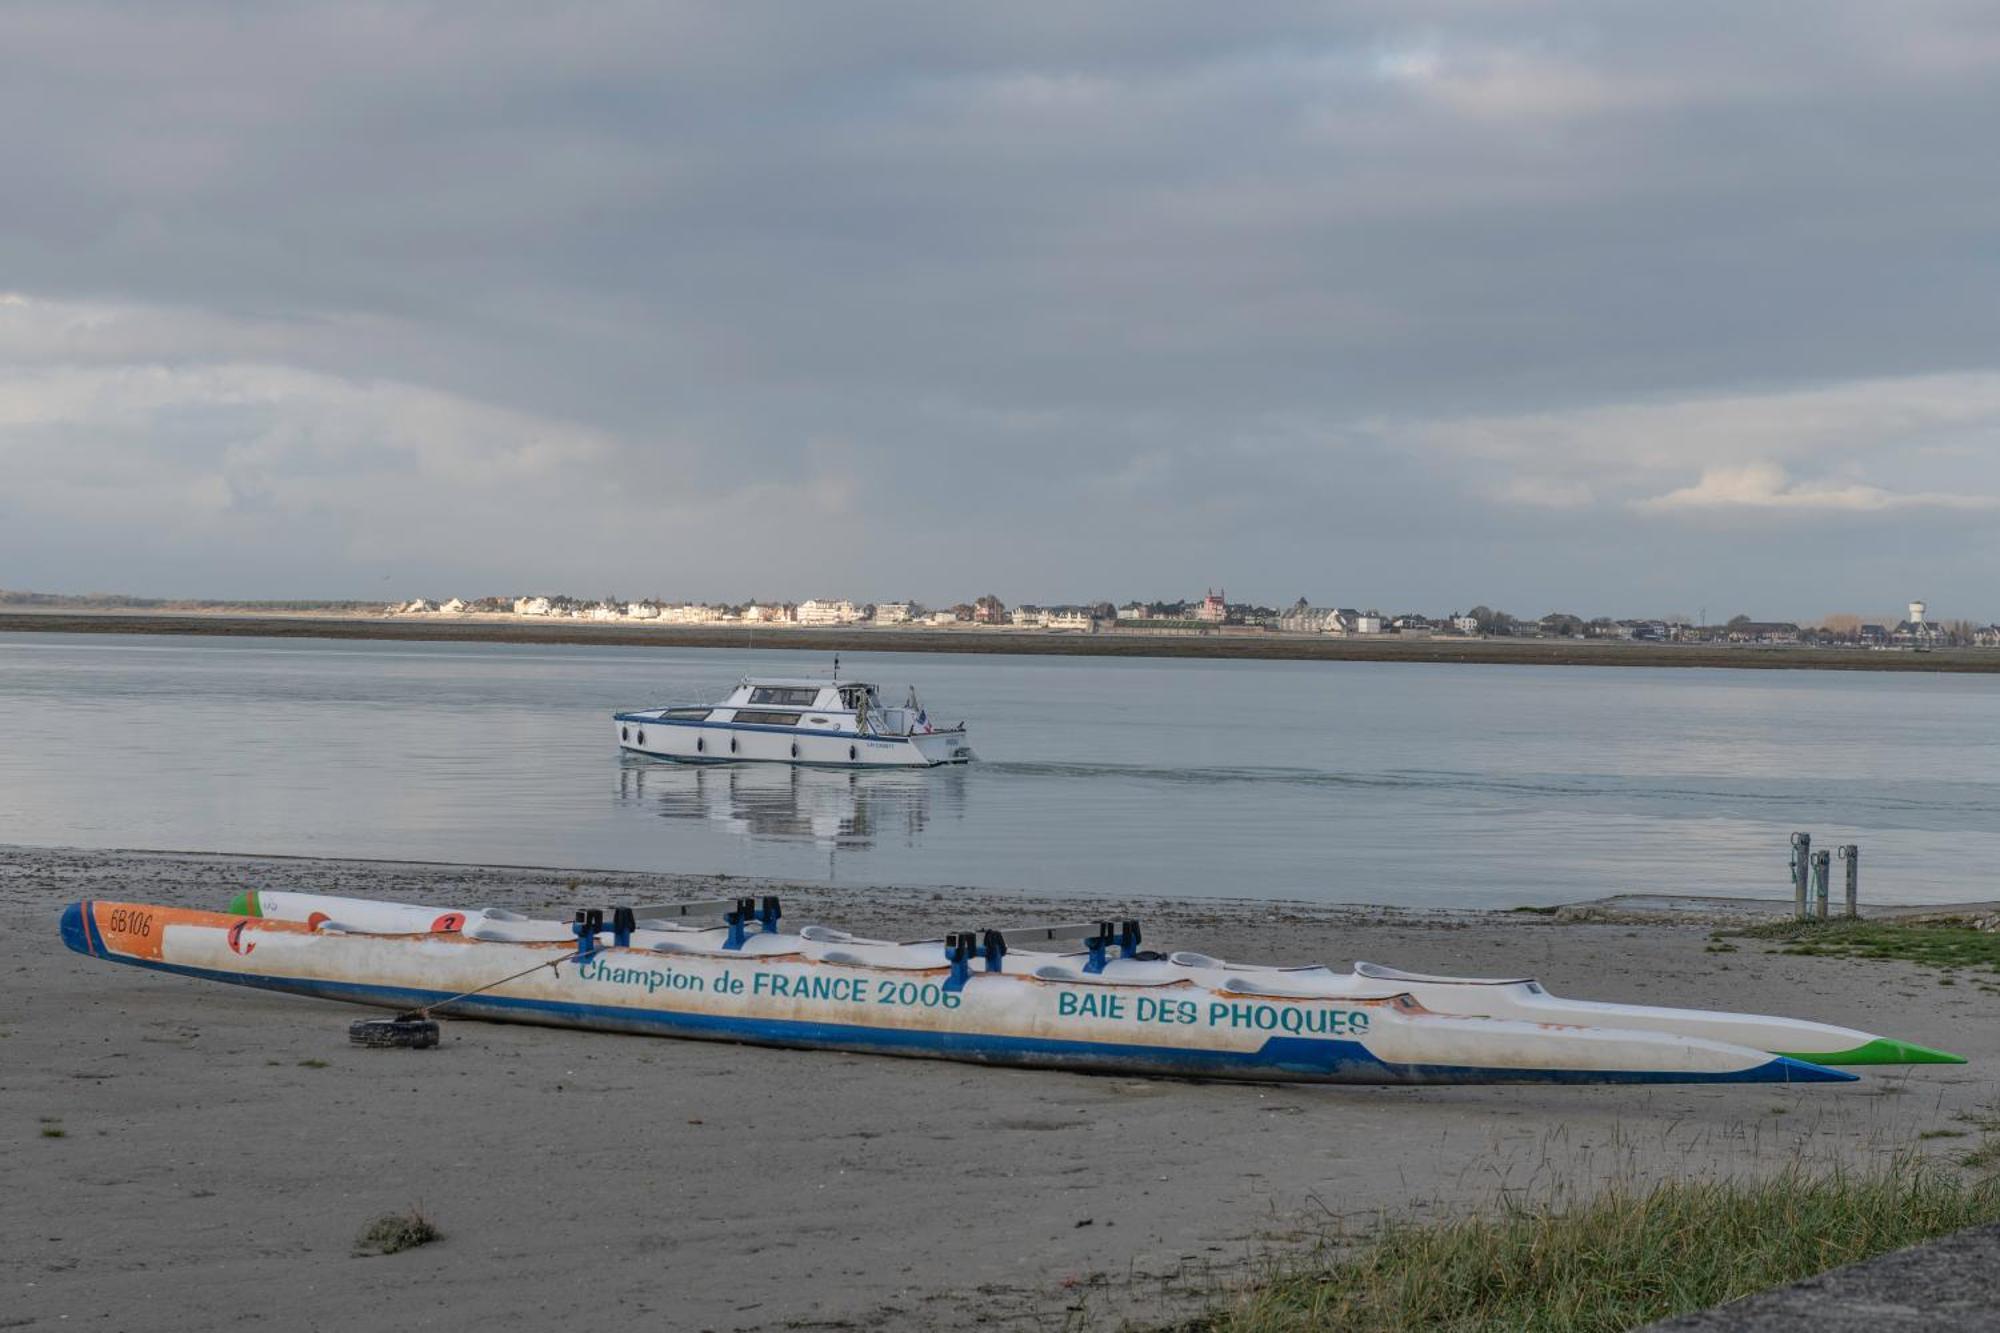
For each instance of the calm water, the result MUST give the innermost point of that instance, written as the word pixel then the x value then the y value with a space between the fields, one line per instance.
pixel 1398 784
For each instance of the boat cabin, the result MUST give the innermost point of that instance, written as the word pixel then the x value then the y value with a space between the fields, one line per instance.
pixel 835 706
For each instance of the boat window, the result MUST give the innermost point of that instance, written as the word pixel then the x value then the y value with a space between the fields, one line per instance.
pixel 765 718
pixel 698 714
pixel 785 695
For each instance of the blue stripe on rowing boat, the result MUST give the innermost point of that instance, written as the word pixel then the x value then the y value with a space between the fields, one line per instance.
pixel 1293 1057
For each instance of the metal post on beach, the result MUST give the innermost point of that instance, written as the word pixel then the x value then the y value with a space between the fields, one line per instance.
pixel 1822 874
pixel 1801 852
pixel 1851 854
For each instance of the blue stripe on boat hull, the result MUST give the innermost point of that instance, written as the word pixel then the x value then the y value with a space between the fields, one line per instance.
pixel 718 760
pixel 1300 1059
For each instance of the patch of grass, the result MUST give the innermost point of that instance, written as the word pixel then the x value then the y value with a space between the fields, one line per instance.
pixel 1623 1260
pixel 395 1232
pixel 1536 911
pixel 1945 945
pixel 312 1064
pixel 1985 1157
pixel 1942 1134
pixel 54 1132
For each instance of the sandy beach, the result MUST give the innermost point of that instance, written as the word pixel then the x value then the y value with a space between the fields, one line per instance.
pixel 220 1148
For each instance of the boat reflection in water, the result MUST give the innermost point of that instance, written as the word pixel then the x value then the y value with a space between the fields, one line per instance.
pixel 827 806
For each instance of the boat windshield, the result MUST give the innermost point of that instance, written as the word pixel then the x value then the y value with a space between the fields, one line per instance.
pixel 788 696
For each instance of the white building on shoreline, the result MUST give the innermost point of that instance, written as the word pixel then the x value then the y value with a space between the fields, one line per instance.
pixel 821 612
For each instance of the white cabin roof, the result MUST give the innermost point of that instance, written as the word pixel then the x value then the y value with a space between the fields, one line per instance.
pixel 804 683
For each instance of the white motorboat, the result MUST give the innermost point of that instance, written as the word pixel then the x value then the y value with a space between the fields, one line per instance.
pixel 796 720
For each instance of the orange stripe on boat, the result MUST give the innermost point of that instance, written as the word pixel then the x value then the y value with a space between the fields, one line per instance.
pixel 137 930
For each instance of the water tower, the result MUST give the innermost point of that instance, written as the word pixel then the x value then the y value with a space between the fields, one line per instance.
pixel 1916 613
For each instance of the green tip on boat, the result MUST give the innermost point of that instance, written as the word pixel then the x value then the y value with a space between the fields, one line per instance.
pixel 1883 1051
pixel 245 904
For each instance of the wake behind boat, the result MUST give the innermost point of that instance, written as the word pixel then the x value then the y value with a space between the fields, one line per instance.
pixel 724 970
pixel 796 720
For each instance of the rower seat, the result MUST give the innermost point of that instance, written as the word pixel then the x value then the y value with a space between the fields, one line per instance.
pixel 1243 985
pixel 1377 972
pixel 829 935
pixel 522 932
pixel 1056 972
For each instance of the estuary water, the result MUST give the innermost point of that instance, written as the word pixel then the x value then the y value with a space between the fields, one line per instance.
pixel 1391 783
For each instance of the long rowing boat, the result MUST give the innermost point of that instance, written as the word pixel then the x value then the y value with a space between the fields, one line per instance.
pixel 1521 998
pixel 745 980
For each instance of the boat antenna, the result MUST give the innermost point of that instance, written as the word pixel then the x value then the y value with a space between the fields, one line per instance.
pixel 836 667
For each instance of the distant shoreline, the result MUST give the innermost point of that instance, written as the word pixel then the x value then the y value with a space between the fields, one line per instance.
pixel 1113 643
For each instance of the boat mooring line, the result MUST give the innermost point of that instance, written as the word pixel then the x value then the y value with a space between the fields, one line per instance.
pixel 424 1011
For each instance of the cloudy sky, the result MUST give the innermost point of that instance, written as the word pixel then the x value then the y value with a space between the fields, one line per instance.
pixel 1609 308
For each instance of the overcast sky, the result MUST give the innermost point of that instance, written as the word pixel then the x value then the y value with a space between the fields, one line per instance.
pixel 1606 308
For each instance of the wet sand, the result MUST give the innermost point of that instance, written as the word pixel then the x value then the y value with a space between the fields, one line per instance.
pixel 1111 643
pixel 208 1178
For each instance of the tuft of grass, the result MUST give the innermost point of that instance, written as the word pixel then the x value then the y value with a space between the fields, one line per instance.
pixel 1947 946
pixel 392 1233
pixel 1625 1259
pixel 1985 1157
pixel 314 1063
pixel 54 1132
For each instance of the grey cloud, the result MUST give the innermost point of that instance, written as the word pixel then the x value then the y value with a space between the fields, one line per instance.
pixel 1057 300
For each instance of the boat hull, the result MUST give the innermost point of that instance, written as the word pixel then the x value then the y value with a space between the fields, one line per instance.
pixel 701 742
pixel 788 999
pixel 1519 999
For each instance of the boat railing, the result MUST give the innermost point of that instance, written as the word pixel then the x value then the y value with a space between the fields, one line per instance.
pixel 901 723
pixel 737 914
pixel 993 944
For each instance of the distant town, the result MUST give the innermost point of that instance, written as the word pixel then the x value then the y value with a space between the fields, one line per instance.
pixel 1214 614
pixel 1210 615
